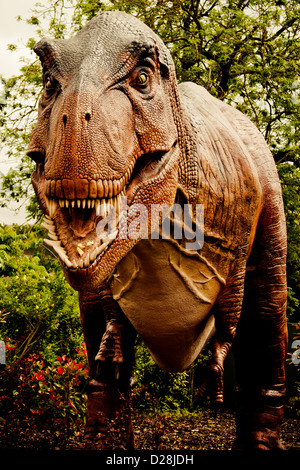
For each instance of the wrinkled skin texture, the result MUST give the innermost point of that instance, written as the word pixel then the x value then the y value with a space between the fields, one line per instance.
pixel 113 122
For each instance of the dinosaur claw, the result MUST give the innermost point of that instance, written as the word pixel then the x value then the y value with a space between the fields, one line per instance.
pixel 212 385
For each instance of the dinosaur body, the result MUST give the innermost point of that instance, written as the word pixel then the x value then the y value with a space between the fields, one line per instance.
pixel 113 123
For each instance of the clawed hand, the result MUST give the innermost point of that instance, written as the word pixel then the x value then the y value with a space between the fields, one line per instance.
pixel 110 347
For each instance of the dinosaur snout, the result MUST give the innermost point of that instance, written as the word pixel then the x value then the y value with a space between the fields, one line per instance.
pixel 91 136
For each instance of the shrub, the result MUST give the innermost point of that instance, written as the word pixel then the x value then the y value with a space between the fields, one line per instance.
pixel 38 309
pixel 43 403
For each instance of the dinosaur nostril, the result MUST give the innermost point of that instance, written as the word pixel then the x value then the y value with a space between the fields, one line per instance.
pixel 64 119
pixel 87 116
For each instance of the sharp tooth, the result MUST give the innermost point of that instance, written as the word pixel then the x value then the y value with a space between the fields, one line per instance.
pixel 127 176
pixel 66 260
pixel 83 203
pixel 54 243
pixel 103 208
pixel 67 203
pixel 73 203
pixel 53 236
pixel 87 260
pixel 79 251
pixel 48 205
pixel 89 203
pixel 117 204
pixel 92 203
pixel 59 250
pixel 98 207
pixel 61 203
pixel 52 207
pixel 63 256
pixel 78 203
pixel 104 244
pixel 109 205
pixel 98 250
pixel 47 225
pixel 50 229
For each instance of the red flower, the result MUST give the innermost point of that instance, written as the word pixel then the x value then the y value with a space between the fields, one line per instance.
pixel 60 370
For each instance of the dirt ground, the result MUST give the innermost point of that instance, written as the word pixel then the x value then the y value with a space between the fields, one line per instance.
pixel 208 430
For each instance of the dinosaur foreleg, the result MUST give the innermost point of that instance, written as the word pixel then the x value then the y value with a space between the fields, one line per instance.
pixel 260 344
pixel 212 383
pixel 227 314
pixel 110 346
pixel 108 420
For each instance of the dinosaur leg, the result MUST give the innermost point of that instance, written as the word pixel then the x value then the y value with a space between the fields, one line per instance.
pixel 227 314
pixel 111 358
pixel 260 344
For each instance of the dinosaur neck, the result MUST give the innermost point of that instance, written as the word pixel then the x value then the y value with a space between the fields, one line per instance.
pixel 188 167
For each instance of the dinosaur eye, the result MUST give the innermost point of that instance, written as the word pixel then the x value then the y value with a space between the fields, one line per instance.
pixel 49 82
pixel 142 79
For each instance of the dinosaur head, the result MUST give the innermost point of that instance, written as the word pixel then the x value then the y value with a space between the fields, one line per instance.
pixel 105 131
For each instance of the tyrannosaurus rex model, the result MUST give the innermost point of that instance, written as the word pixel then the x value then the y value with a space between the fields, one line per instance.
pixel 164 206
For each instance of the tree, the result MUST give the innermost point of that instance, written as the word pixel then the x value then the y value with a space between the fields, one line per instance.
pixel 245 52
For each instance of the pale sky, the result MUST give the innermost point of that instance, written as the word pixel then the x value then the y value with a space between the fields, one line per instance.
pixel 13 31
pixel 16 32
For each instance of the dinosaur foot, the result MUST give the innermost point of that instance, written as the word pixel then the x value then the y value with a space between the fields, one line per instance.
pixel 108 419
pixel 212 385
pixel 266 439
pixel 259 417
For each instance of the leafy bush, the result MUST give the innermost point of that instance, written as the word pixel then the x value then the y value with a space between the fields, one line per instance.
pixel 38 309
pixel 162 391
pixel 41 401
pixel 157 390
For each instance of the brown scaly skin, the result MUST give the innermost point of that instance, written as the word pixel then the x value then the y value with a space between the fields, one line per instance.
pixel 113 121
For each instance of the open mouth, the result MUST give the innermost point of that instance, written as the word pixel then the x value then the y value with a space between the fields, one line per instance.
pixel 76 209
pixel 75 240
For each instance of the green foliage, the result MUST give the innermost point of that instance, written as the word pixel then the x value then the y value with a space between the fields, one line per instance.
pixel 290 180
pixel 157 390
pixel 38 310
pixel 164 392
